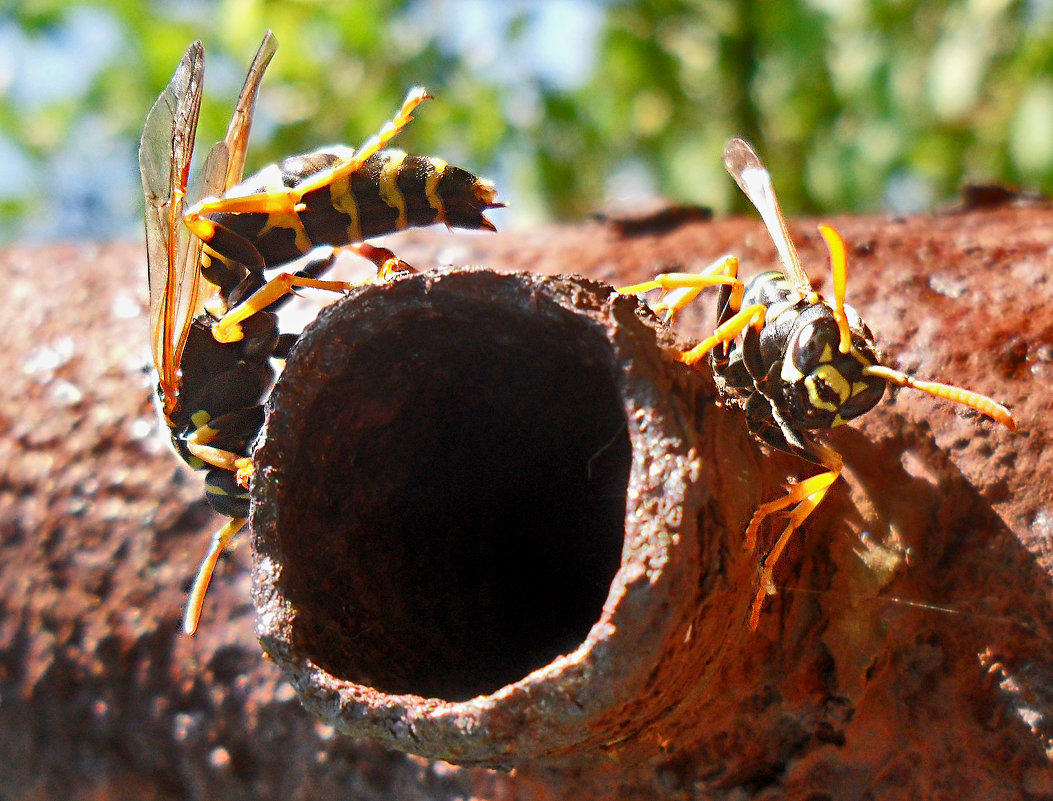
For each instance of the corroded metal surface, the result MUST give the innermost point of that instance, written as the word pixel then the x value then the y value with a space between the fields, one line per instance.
pixel 478 515
pixel 851 691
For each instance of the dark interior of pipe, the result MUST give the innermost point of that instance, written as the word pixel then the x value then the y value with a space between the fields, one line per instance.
pixel 460 502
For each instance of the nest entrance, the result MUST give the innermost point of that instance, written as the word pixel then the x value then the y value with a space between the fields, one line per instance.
pixel 455 515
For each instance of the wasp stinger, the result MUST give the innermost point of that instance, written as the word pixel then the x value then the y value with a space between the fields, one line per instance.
pixel 803 363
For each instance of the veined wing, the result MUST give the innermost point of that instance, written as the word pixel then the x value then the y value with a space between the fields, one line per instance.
pixel 225 163
pixel 754 180
pixel 177 292
pixel 164 164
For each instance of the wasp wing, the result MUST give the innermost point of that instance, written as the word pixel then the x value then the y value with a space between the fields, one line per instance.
pixel 753 178
pixel 164 163
pixel 177 291
pixel 225 163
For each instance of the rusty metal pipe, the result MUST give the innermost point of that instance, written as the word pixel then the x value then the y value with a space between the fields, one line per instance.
pixel 481 521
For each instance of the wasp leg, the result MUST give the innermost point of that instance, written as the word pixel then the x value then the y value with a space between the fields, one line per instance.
pixel 244 471
pixel 288 201
pixel 680 289
pixel 282 201
pixel 198 444
pixel 804 497
pixel 240 466
pixel 228 328
pixel 727 331
pixel 343 169
pixel 387 262
pixel 220 540
pixel 222 442
pixel 807 495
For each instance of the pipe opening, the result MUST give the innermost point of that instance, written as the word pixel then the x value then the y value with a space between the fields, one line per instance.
pixel 455 515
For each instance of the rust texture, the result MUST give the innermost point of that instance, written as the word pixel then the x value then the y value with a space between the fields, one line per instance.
pixel 855 693
pixel 470 477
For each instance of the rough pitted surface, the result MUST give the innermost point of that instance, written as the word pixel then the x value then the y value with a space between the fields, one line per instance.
pixel 472 480
pixel 947 696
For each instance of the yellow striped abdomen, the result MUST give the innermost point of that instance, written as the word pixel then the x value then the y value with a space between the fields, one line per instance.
pixel 389 192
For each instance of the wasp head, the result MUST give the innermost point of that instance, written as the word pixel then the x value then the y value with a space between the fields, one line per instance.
pixel 823 386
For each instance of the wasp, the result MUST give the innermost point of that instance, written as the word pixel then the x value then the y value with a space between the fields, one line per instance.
pixel 795 362
pixel 213 324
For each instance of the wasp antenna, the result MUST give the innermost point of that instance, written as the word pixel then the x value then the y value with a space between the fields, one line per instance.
pixel 966 397
pixel 839 267
pixel 753 178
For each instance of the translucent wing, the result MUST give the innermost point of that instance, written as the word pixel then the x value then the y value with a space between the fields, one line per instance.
pixel 225 163
pixel 164 163
pixel 230 153
pixel 176 288
pixel 754 180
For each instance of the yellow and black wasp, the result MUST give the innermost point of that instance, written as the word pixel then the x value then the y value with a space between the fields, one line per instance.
pixel 803 364
pixel 213 326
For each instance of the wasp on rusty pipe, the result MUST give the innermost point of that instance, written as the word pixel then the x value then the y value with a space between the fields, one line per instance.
pixel 794 361
pixel 213 323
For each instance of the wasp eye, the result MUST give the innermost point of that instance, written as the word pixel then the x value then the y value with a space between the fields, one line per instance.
pixel 810 347
pixel 865 396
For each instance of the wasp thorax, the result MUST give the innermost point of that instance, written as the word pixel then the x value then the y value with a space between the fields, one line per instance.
pixel 825 387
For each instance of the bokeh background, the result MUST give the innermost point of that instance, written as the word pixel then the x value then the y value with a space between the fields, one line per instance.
pixel 572 106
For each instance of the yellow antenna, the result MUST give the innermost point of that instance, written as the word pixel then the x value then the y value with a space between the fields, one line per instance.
pixel 966 397
pixel 839 267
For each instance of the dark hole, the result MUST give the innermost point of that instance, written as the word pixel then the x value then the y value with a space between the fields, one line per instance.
pixel 459 511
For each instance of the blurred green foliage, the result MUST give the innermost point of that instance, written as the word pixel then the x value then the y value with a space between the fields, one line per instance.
pixel 854 105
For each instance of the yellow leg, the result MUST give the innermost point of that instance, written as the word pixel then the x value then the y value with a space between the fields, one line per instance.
pixel 751 315
pixel 414 98
pixel 388 264
pixel 199 444
pixel 289 201
pixel 680 289
pixel 220 540
pixel 804 498
pixel 278 202
pixel 228 329
pixel 243 471
pixel 807 495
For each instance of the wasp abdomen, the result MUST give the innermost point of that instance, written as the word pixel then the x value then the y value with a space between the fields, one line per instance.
pixel 225 495
pixel 223 385
pixel 391 191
